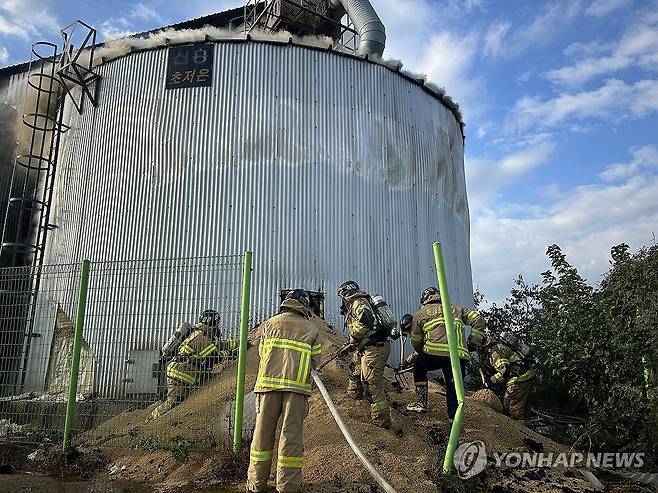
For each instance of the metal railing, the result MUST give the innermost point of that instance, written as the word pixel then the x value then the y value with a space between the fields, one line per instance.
pixel 132 309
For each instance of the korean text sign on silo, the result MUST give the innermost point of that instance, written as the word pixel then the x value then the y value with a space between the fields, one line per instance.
pixel 189 66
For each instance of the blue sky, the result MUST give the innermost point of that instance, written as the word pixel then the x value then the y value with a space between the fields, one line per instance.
pixel 560 101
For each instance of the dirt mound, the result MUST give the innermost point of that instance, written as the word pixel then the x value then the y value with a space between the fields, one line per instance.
pixel 184 446
pixel 489 399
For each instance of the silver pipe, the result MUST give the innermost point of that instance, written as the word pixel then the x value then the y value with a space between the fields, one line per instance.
pixel 372 33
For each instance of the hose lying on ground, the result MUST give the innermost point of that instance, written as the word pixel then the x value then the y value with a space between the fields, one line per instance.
pixel 350 440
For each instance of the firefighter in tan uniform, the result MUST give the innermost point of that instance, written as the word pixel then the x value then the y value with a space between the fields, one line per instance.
pixel 513 371
pixel 372 351
pixel 193 362
pixel 289 347
pixel 429 339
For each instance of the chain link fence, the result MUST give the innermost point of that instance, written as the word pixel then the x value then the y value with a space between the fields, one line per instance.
pixel 35 349
pixel 133 308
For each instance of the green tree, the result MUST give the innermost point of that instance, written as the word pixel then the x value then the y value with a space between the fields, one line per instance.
pixel 597 346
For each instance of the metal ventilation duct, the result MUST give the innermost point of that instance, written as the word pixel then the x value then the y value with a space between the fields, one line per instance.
pixel 372 33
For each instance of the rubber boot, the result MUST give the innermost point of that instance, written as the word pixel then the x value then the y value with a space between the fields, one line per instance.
pixel 421 405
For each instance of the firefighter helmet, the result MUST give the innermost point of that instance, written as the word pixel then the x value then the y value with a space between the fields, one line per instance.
pixel 210 318
pixel 405 323
pixel 431 291
pixel 347 288
pixel 299 295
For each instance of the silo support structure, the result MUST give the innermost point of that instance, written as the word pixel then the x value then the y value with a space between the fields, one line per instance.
pixel 77 346
pixel 454 359
pixel 242 355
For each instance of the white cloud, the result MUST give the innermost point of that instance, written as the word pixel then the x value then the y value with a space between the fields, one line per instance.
pixel 139 18
pixel 408 26
pixel 27 18
pixel 494 37
pixel 502 40
pixel 449 61
pixel 585 221
pixel 638 46
pixel 144 13
pixel 601 8
pixel 589 48
pixel 4 54
pixel 615 98
pixel 115 29
pixel 645 157
pixel 486 177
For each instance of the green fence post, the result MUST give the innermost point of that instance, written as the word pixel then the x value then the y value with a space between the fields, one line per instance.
pixel 242 355
pixel 75 361
pixel 454 359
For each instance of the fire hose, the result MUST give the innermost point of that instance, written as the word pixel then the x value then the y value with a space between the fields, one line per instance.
pixel 348 436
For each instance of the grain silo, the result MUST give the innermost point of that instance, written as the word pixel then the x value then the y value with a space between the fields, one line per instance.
pixel 328 164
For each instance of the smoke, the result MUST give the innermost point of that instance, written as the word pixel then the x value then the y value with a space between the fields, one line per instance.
pixel 168 37
pixel 120 47
pixel 32 127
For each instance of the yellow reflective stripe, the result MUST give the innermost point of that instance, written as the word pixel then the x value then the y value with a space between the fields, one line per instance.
pixel 499 377
pixel 380 405
pixel 264 378
pixel 472 317
pixel 300 370
pixel 282 384
pixel 303 372
pixel 515 358
pixel 315 350
pixel 433 323
pixel 421 384
pixel 179 375
pixel 185 349
pixel 357 328
pixel 290 461
pixel 283 345
pixel 304 346
pixel 435 346
pixel 207 350
pixel 529 375
pixel 260 455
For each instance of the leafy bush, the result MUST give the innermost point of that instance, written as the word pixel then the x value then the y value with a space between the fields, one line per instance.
pixel 597 346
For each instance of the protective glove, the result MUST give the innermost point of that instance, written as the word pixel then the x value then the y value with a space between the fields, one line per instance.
pixel 493 380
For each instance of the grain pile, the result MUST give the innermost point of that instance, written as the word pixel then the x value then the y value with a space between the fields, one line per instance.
pixel 407 455
pixel 489 399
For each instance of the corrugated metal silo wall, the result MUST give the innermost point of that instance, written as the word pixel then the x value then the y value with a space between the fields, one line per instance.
pixel 328 167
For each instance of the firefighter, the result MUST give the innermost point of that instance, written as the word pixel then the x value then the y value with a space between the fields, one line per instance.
pixel 194 359
pixel 513 371
pixel 289 347
pixel 372 349
pixel 429 339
